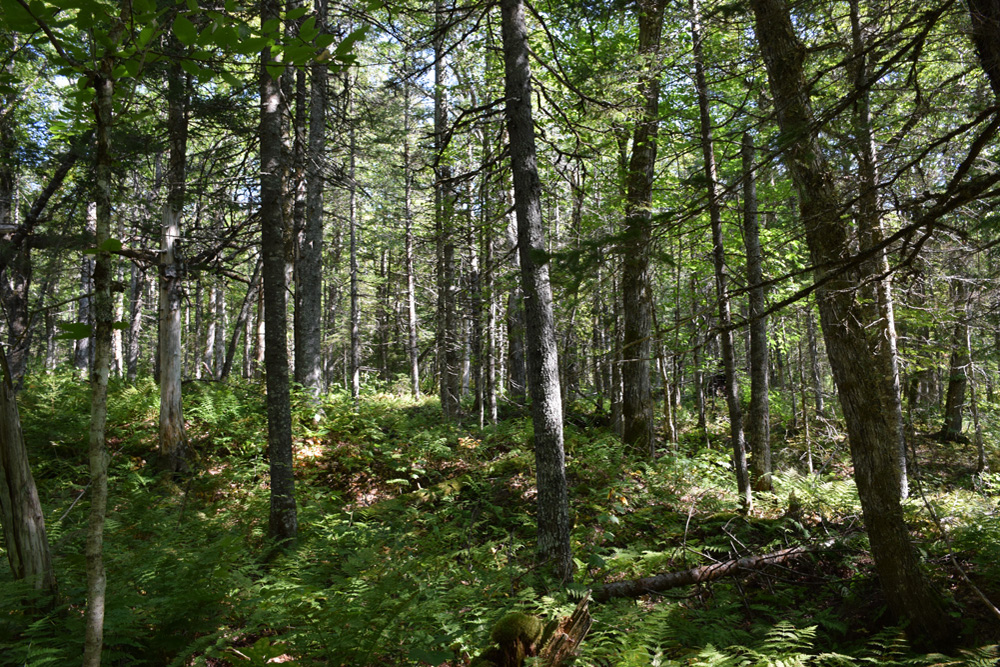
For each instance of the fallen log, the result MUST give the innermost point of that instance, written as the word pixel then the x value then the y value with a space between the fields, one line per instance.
pixel 696 575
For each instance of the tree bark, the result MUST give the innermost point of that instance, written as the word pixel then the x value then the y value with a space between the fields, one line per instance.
pixel 638 428
pixel 871 233
pixel 241 322
pixel 172 435
pixel 283 521
pixel 20 509
pixel 103 319
pixel 83 351
pixel 758 416
pixel 444 210
pixel 873 448
pixel 954 404
pixel 133 342
pixel 553 547
pixel 985 15
pixel 413 349
pixel 721 275
pixel 309 260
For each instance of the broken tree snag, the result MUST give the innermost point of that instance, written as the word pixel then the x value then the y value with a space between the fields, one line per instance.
pixel 563 646
pixel 697 575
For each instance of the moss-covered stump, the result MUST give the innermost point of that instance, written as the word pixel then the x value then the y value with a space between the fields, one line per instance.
pixel 515 637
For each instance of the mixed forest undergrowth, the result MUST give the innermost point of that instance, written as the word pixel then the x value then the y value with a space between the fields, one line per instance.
pixel 417 535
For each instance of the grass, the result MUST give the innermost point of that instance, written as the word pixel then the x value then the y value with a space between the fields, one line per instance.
pixel 416 536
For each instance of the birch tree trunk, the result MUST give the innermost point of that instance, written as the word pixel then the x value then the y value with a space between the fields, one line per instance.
pixel 411 279
pixel 553 547
pixel 172 436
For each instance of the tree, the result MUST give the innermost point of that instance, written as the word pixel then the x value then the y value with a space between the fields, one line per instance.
pixel 873 446
pixel 543 368
pixel 21 513
pixel 309 258
pixel 758 415
pixel 637 397
pixel 283 522
pixel 721 274
pixel 173 439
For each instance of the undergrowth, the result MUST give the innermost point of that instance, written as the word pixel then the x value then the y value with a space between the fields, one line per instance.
pixel 416 536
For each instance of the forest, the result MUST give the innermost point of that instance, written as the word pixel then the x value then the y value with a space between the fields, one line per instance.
pixel 500 333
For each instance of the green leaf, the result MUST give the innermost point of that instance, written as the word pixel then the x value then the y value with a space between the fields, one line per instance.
pixel 121 325
pixel 231 79
pixel 276 71
pixel 347 45
pixel 145 35
pixel 190 67
pixel 296 13
pixel 74 330
pixel 193 5
pixel 184 31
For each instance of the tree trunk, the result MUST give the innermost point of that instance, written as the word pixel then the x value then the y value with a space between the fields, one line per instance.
pixel 873 446
pixel 413 349
pixel 309 260
pixel 868 219
pixel 721 276
pixel 637 396
pixel 444 210
pixel 133 342
pixel 355 289
pixel 954 403
pixel 985 15
pixel 83 348
pixel 241 323
pixel 172 437
pixel 210 319
pixel 546 407
pixel 817 380
pixel 283 522
pixel 758 416
pixel 20 509
pixel 103 319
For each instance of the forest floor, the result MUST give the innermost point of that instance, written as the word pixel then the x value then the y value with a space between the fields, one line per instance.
pixel 416 536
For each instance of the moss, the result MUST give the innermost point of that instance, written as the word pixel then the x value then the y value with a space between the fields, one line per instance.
pixel 517 627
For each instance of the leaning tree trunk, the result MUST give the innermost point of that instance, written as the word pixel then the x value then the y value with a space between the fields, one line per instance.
pixel 758 416
pixel 543 366
pixel 871 233
pixel 721 276
pixel 20 510
pixel 283 521
pixel 909 594
pixel 173 439
pixel 637 350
